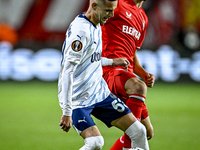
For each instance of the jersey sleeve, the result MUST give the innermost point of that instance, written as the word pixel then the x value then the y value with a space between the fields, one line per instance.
pixel 106 61
pixel 65 100
pixel 75 43
pixel 145 24
pixel 73 52
pixel 141 40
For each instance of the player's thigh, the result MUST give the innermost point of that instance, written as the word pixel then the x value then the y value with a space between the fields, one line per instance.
pixel 119 84
pixel 83 123
pixel 112 108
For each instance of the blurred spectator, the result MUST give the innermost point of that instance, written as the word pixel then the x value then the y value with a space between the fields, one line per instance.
pixel 8 33
pixel 162 23
pixel 190 23
pixel 190 14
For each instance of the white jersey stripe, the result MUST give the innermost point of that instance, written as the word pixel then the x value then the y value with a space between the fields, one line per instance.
pixel 98 42
pixel 81 64
pixel 82 70
pixel 86 80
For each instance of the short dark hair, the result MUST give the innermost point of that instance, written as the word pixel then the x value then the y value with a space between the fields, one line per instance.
pixel 108 0
pixel 104 1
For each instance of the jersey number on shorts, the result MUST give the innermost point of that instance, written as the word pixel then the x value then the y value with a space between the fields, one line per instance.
pixel 118 105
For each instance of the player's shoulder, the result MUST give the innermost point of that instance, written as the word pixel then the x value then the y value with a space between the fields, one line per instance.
pixel 80 25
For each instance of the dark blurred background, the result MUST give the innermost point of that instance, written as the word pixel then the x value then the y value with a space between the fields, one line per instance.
pixel 32 33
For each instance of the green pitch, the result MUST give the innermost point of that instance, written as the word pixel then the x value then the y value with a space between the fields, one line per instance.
pixel 30 114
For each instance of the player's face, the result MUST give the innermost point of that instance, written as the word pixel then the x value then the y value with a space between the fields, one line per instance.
pixel 105 11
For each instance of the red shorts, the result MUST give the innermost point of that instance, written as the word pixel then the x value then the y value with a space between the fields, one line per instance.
pixel 116 78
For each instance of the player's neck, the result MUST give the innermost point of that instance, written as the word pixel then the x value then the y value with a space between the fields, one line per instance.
pixel 138 3
pixel 90 16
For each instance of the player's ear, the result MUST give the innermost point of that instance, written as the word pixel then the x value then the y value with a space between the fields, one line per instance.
pixel 94 5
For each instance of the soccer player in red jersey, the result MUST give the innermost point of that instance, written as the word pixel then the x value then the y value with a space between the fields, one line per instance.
pixel 122 36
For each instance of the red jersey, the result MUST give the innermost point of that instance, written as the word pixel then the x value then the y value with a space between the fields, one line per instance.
pixel 124 33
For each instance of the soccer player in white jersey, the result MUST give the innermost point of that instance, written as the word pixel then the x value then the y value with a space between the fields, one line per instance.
pixel 82 90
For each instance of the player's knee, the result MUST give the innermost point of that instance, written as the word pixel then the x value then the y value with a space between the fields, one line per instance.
pixel 137 134
pixel 136 87
pixel 99 142
pixel 136 130
pixel 95 142
pixel 141 88
pixel 142 131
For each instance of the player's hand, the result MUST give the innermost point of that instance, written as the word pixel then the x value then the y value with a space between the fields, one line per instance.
pixel 65 123
pixel 150 79
pixel 121 62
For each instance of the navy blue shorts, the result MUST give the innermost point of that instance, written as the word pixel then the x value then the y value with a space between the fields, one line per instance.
pixel 107 111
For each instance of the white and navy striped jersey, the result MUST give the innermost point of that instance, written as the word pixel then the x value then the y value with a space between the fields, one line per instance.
pixel 83 48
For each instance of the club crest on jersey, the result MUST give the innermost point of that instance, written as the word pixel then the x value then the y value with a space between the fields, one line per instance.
pixel 128 15
pixel 76 45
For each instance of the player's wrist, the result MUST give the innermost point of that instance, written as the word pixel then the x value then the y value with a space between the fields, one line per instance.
pixel 67 112
pixel 106 61
pixel 110 61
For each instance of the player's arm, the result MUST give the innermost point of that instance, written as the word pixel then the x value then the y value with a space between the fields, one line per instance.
pixel 72 55
pixel 140 71
pixel 115 61
pixel 66 104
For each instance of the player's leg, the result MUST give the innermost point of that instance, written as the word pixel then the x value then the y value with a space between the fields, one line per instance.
pixel 147 123
pixel 92 138
pixel 135 86
pixel 129 86
pixel 115 113
pixel 85 126
pixel 145 120
pixel 134 129
pixel 135 106
pixel 136 91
